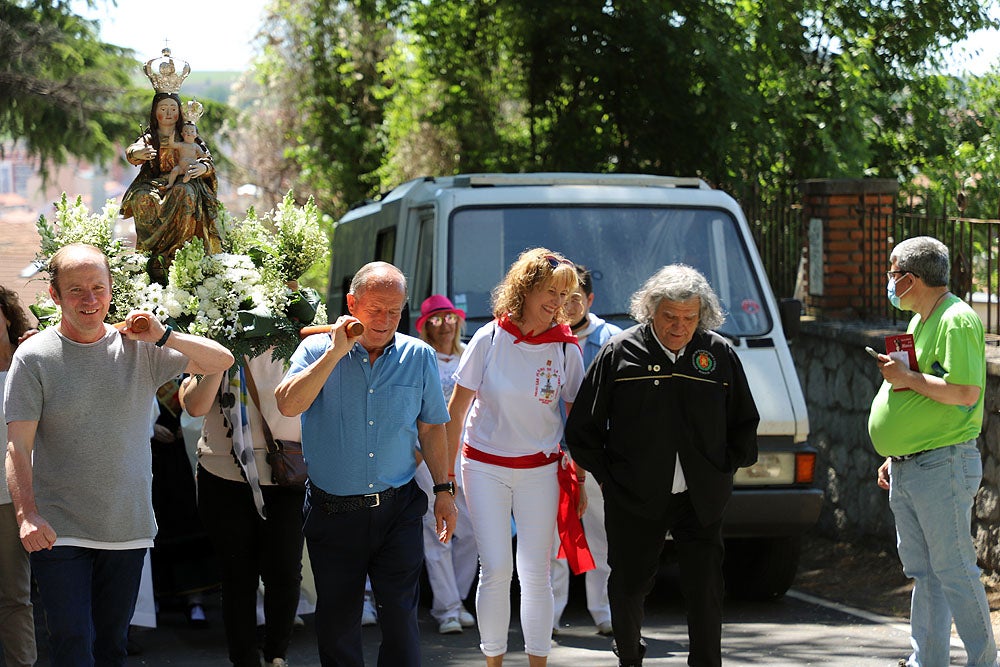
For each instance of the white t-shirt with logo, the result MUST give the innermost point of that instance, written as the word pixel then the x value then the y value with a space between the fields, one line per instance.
pixel 518 388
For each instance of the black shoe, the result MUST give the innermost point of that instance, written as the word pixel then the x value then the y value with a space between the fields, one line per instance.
pixel 132 647
pixel 636 663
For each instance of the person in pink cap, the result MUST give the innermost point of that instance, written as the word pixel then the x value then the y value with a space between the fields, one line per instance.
pixel 451 567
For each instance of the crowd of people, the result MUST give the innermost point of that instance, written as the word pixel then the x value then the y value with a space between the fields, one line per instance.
pixel 538 447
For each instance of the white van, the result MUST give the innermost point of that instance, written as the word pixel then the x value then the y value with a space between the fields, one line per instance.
pixel 457 235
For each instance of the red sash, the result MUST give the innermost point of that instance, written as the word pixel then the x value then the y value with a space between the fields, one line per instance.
pixel 573 543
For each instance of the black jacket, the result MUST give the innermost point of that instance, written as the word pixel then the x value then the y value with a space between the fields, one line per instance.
pixel 636 410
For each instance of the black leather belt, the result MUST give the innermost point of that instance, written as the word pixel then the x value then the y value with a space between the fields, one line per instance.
pixel 332 504
pixel 907 457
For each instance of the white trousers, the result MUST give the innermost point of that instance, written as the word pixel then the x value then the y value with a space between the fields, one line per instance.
pixel 597 579
pixel 532 495
pixel 451 567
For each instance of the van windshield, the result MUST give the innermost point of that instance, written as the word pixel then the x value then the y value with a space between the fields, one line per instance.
pixel 622 247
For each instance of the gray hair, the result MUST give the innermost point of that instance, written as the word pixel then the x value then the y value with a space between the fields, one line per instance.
pixel 374 274
pixel 677 282
pixel 925 257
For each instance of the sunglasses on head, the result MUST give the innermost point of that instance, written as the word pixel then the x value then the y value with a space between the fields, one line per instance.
pixel 554 261
pixel 437 320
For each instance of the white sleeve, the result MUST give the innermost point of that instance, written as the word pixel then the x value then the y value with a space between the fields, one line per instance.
pixel 472 365
pixel 573 367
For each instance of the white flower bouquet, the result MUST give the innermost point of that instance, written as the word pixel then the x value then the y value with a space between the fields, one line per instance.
pixel 76 224
pixel 246 299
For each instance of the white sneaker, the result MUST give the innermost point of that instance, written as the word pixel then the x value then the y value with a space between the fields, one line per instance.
pixel 450 626
pixel 465 618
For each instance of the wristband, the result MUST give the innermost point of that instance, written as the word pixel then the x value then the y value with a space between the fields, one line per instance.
pixel 447 487
pixel 166 335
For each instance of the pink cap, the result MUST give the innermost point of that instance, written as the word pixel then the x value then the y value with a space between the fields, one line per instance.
pixel 436 304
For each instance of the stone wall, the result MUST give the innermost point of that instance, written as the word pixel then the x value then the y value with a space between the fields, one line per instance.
pixel 839 380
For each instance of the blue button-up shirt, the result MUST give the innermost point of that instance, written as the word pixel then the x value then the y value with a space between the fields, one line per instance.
pixel 359 435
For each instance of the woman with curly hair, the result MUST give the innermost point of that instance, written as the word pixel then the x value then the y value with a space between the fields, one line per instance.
pixel 513 375
pixel 17 621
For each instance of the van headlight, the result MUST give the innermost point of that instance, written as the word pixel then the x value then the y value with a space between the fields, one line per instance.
pixel 778 468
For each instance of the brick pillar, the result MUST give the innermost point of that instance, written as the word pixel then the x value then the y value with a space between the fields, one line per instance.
pixel 848 225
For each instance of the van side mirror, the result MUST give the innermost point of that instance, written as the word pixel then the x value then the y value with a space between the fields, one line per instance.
pixel 791 313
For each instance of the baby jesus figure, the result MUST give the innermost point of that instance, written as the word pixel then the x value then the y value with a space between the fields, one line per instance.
pixel 187 154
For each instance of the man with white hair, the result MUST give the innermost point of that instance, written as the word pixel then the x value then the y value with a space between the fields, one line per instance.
pixel 663 419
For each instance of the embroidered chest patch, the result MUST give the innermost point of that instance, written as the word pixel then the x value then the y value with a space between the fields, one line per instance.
pixel 703 361
pixel 547 383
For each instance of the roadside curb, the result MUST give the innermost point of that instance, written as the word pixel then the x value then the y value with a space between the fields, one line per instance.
pixel 894 623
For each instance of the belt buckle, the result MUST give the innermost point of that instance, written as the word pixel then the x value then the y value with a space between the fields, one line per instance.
pixel 378 500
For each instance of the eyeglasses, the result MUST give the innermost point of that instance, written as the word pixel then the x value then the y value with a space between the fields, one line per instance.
pixel 436 320
pixel 896 274
pixel 554 261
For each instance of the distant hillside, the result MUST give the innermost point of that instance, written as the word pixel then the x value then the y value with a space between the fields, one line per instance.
pixel 202 85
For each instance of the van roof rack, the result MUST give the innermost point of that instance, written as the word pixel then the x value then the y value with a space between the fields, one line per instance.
pixel 648 180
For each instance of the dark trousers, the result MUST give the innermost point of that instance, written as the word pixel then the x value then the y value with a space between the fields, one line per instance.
pixel 249 549
pixel 88 596
pixel 635 545
pixel 385 543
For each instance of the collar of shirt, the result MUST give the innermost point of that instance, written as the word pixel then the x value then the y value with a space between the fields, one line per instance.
pixel 670 355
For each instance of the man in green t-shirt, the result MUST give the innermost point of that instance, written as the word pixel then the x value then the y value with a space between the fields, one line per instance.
pixel 925 422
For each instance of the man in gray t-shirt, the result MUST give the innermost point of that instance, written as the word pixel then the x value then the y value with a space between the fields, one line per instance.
pixel 77 402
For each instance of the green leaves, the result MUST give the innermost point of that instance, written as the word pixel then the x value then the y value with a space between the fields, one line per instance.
pixel 61 90
pixel 744 92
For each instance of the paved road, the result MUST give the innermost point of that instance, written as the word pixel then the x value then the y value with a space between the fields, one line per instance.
pixel 793 631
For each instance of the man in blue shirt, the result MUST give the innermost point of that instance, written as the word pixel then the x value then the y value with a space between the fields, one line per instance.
pixel 365 401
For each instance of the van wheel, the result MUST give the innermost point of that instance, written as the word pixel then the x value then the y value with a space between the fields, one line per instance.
pixel 761 568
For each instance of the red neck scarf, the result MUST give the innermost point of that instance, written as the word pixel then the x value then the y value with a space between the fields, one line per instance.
pixel 561 333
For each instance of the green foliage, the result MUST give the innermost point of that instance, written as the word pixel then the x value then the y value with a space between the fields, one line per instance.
pixel 751 93
pixel 966 160
pixel 61 90
pixel 338 48
pixel 74 223
pixel 287 241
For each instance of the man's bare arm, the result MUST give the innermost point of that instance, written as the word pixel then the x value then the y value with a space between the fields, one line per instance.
pixel 295 394
pixel 36 533
pixel 435 452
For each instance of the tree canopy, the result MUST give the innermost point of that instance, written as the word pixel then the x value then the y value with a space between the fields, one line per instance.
pixel 744 91
pixel 62 91
pixel 350 97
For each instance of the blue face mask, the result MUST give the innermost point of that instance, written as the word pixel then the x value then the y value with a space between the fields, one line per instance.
pixel 890 292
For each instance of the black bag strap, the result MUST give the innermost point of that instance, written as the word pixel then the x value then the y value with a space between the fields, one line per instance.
pixel 252 388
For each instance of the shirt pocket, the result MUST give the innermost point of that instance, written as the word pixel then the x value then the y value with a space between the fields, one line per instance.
pixel 398 406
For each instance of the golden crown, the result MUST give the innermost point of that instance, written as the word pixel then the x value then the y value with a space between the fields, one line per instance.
pixel 162 73
pixel 192 111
